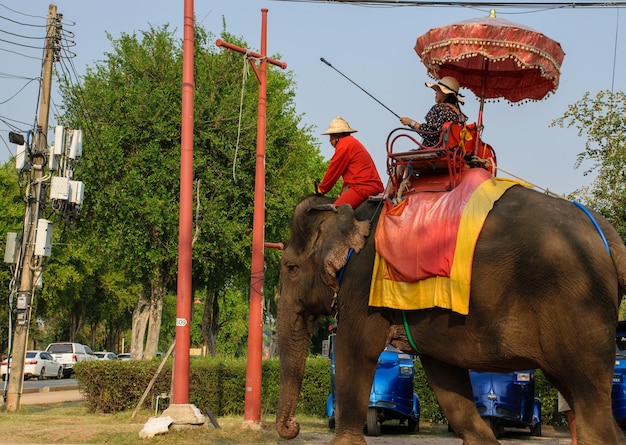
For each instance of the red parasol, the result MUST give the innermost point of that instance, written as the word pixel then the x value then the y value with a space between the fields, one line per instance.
pixel 494 58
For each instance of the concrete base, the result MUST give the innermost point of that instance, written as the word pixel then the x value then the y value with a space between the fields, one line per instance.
pixel 184 415
pixel 252 425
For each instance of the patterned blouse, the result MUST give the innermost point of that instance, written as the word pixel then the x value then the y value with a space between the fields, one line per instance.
pixel 438 115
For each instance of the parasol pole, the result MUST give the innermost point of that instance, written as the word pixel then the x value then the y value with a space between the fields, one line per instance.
pixel 483 92
pixel 483 88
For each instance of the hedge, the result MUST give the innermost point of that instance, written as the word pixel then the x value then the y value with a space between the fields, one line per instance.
pixel 219 384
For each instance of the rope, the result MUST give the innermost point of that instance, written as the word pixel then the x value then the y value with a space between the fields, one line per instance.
pixel 408 333
pixel 244 78
pixel 197 231
pixel 489 163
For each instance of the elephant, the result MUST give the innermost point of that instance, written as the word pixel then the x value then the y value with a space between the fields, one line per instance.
pixel 545 294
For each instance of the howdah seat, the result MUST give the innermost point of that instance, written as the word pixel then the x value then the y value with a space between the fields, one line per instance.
pixel 435 168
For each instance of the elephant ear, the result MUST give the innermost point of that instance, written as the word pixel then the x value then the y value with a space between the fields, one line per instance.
pixel 340 233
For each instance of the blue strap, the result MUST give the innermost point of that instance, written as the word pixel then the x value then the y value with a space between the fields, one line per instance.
pixel 595 223
pixel 344 266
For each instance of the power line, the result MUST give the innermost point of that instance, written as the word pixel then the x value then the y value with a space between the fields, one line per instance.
pixel 24 14
pixel 19 54
pixel 20 44
pixel 18 91
pixel 14 76
pixel 524 5
pixel 22 35
pixel 15 35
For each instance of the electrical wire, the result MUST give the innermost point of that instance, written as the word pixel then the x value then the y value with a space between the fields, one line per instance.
pixel 26 56
pixel 615 51
pixel 525 5
pixel 21 13
pixel 17 92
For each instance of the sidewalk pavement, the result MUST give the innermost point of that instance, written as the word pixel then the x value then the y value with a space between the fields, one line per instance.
pixel 50 394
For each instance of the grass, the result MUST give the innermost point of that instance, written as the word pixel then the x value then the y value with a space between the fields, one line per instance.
pixel 71 423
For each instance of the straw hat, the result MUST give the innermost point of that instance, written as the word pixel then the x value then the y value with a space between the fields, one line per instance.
pixel 339 125
pixel 448 85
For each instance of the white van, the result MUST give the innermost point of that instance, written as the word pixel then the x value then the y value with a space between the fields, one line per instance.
pixel 68 353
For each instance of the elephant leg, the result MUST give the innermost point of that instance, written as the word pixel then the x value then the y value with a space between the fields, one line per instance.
pixel 591 402
pixel 585 380
pixel 594 418
pixel 355 365
pixel 453 390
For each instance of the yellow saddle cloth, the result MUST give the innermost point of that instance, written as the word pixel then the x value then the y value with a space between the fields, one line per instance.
pixel 448 284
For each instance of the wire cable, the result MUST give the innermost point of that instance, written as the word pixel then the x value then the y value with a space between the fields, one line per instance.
pixel 244 78
pixel 22 13
pixel 526 5
pixel 17 92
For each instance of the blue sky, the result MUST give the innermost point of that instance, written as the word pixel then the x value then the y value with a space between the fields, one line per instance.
pixel 371 45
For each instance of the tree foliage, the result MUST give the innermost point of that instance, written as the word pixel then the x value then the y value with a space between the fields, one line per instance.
pixel 11 220
pixel 129 105
pixel 601 121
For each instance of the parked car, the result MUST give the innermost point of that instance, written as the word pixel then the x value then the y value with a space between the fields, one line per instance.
pixel 391 397
pixel 618 393
pixel 69 353
pixel 507 400
pixel 123 356
pixel 37 364
pixel 103 355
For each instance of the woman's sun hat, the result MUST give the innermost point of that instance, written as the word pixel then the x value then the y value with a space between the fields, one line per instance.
pixel 447 85
pixel 339 125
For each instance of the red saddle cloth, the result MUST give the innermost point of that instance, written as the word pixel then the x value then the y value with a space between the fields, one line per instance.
pixel 425 244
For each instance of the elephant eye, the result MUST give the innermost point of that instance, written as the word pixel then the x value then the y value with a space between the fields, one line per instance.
pixel 291 267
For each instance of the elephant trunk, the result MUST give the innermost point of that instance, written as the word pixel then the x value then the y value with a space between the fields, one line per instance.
pixel 293 343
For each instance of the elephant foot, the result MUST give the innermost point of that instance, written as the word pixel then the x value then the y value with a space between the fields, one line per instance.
pixel 289 428
pixel 479 439
pixel 348 439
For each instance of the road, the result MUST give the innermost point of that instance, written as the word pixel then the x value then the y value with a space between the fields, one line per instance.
pixel 39 384
pixel 439 435
pixel 37 392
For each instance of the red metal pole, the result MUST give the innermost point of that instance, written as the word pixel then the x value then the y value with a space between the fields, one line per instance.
pixel 184 297
pixel 252 409
pixel 279 246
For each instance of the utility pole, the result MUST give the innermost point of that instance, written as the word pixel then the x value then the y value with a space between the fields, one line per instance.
pixel 252 408
pixel 29 267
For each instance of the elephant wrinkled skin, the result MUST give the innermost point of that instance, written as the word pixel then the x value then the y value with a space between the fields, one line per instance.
pixel 544 294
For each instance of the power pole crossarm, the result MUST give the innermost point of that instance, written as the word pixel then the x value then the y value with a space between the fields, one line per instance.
pixel 220 42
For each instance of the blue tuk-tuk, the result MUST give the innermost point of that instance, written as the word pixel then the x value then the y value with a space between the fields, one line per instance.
pixel 391 397
pixel 507 400
pixel 618 393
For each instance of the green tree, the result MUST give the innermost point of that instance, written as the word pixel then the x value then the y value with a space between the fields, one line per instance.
pixel 130 107
pixel 11 220
pixel 601 121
